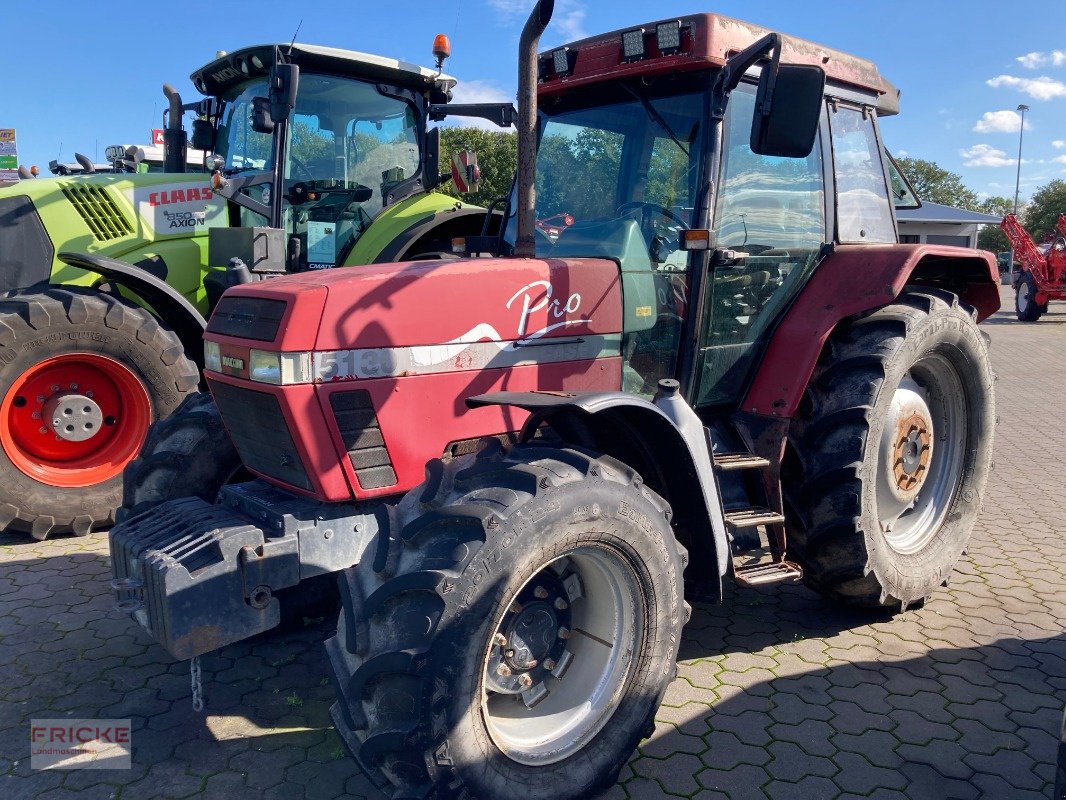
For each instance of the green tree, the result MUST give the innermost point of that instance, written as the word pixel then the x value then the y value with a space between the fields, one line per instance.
pixel 937 185
pixel 1043 211
pixel 991 237
pixel 497 156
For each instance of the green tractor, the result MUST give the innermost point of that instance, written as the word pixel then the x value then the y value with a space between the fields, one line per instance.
pixel 318 158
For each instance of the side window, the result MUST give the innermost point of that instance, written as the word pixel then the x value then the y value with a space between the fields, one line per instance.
pixel 771 210
pixel 863 206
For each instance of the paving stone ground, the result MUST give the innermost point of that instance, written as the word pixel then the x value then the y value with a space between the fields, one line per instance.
pixel 778 695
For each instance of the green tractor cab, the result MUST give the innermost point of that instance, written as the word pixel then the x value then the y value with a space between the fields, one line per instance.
pixel 325 154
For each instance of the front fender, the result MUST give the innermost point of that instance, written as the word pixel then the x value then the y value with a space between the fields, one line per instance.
pixel 673 460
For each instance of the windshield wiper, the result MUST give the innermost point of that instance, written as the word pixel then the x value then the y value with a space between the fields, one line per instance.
pixel 656 116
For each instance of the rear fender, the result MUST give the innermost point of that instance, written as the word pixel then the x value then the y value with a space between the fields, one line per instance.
pixel 854 279
pixel 641 435
pixel 172 308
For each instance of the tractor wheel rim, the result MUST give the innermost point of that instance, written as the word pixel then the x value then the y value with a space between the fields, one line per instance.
pixel 921 454
pixel 560 656
pixel 1023 296
pixel 74 420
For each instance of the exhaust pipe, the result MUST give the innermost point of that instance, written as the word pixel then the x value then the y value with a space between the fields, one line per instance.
pixel 174 137
pixel 525 244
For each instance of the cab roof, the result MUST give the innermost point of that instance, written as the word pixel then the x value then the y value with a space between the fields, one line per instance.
pixel 707 40
pixel 256 60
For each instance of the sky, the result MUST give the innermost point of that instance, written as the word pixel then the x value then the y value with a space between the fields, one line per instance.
pixel 74 79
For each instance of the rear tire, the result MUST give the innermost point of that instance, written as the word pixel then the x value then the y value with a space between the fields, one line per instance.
pixel 889 454
pixel 1025 305
pixel 420 702
pixel 62 344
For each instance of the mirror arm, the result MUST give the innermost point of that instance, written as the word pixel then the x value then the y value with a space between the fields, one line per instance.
pixel 502 114
pixel 735 67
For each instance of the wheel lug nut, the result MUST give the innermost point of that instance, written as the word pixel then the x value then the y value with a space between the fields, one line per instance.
pixel 549 664
pixel 525 681
pixel 503 671
pixel 564 633
pixel 561 604
pixel 516 607
pixel 540 592
pixel 500 640
pixel 509 653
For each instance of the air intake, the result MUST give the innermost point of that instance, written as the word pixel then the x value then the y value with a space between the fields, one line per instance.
pixel 95 206
pixel 361 433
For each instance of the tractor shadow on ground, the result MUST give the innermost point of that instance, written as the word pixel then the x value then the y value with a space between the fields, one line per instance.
pixel 954 723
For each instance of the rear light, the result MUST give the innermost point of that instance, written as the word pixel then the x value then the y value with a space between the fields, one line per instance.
pixel 280 369
pixel 668 37
pixel 633 45
pixel 212 357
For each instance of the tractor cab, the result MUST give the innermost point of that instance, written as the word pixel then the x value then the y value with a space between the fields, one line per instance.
pixel 317 141
pixel 629 141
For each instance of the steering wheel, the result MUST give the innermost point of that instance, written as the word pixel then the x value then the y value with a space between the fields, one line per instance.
pixel 298 164
pixel 645 207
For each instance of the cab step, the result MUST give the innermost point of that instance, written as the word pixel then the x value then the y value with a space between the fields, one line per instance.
pixel 730 462
pixel 762 574
pixel 752 517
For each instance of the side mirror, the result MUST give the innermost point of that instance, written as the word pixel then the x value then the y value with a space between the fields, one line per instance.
pixel 788 106
pixel 466 174
pixel 284 80
pixel 203 135
pixel 261 119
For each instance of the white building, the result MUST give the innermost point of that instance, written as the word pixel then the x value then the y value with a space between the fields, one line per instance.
pixel 937 224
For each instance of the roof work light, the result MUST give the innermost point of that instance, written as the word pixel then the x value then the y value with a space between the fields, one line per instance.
pixel 668 37
pixel 633 44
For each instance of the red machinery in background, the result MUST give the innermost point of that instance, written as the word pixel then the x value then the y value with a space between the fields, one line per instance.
pixel 1043 274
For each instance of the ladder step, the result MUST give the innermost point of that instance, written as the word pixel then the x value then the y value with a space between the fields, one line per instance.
pixel 752 517
pixel 727 462
pixel 761 574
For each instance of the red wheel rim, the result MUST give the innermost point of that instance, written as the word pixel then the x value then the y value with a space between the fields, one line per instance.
pixel 118 415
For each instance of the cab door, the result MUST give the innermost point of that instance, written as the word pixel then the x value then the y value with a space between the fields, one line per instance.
pixel 772 213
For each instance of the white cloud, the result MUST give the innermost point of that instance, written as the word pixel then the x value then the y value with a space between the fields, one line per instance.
pixel 568 22
pixel 999 122
pixel 478 92
pixel 1059 159
pixel 1042 88
pixel 901 154
pixel 1035 60
pixel 1058 144
pixel 983 155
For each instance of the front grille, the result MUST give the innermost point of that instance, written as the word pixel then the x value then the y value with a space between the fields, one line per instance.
pixel 95 206
pixel 257 426
pixel 361 434
pixel 248 317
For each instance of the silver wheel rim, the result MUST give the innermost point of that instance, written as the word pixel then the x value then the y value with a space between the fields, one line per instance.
pixel 921 454
pixel 1023 295
pixel 560 656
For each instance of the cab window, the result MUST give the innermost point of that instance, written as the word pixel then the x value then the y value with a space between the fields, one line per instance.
pixel 864 212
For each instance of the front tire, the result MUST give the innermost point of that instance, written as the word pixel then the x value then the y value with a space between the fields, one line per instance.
pixel 188 454
pixel 514 633
pixel 889 454
pixel 1025 305
pixel 82 377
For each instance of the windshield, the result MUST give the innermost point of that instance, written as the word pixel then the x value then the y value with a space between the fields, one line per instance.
pixel 349 145
pixel 620 179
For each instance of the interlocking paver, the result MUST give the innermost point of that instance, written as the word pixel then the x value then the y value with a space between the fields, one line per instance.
pixel 779 693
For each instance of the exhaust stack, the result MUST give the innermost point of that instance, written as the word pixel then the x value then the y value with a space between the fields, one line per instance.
pixel 174 136
pixel 525 244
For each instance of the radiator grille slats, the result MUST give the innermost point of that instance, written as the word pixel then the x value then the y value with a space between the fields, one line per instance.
pixel 361 434
pixel 260 433
pixel 99 212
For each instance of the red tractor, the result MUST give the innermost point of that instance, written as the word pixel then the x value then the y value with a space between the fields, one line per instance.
pixel 1043 274
pixel 518 465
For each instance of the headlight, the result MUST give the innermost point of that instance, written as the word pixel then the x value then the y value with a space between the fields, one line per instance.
pixel 279 369
pixel 212 357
